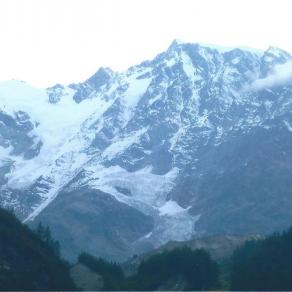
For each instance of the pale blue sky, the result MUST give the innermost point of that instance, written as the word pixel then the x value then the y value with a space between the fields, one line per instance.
pixel 48 41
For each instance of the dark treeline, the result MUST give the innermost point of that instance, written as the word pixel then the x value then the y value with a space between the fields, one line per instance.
pixel 31 261
pixel 26 262
pixel 44 234
pixel 183 268
pixel 111 273
pixel 263 264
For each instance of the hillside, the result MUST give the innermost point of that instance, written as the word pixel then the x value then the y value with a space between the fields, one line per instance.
pixel 220 248
pixel 178 269
pixel 258 264
pixel 26 263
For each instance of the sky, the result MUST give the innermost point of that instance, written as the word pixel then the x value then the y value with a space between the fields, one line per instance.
pixel 45 42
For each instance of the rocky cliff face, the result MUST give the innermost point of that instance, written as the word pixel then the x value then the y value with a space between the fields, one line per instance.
pixel 196 141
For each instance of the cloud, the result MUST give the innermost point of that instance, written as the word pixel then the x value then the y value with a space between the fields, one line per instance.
pixel 280 75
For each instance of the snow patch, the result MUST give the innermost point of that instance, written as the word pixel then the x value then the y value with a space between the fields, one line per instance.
pixel 145 187
pixel 171 208
pixel 235 61
pixel 122 144
pixel 137 87
pixel 170 62
pixel 288 126
pixel 189 69
pixel 154 99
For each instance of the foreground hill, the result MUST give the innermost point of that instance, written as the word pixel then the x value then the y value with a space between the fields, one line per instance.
pixel 220 248
pixel 178 269
pixel 259 264
pixel 263 265
pixel 26 263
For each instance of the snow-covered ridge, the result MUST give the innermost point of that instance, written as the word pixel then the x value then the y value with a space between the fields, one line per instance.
pixel 55 124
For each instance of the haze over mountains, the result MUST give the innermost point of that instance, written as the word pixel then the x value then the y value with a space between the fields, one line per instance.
pixel 194 142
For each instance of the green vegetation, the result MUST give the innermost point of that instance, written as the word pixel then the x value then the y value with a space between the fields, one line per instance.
pixel 182 268
pixel 44 234
pixel 112 273
pixel 263 264
pixel 26 262
pixel 31 261
pixel 191 270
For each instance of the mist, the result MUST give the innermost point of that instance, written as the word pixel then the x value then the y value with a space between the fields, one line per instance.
pixel 280 75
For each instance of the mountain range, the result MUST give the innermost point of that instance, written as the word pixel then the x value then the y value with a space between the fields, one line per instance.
pixel 192 143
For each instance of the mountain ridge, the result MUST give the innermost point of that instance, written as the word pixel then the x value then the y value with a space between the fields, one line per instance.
pixel 166 138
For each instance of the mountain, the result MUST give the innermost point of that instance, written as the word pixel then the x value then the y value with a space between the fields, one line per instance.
pixel 26 263
pixel 192 143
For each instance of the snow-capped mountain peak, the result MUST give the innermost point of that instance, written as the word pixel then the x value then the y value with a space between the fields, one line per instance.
pixel 144 142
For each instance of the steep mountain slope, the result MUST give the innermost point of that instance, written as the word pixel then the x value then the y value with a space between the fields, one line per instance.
pixel 196 141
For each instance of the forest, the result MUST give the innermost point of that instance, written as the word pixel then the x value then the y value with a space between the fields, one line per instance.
pixel 31 260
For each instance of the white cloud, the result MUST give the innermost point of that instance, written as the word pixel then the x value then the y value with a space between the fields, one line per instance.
pixel 280 75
